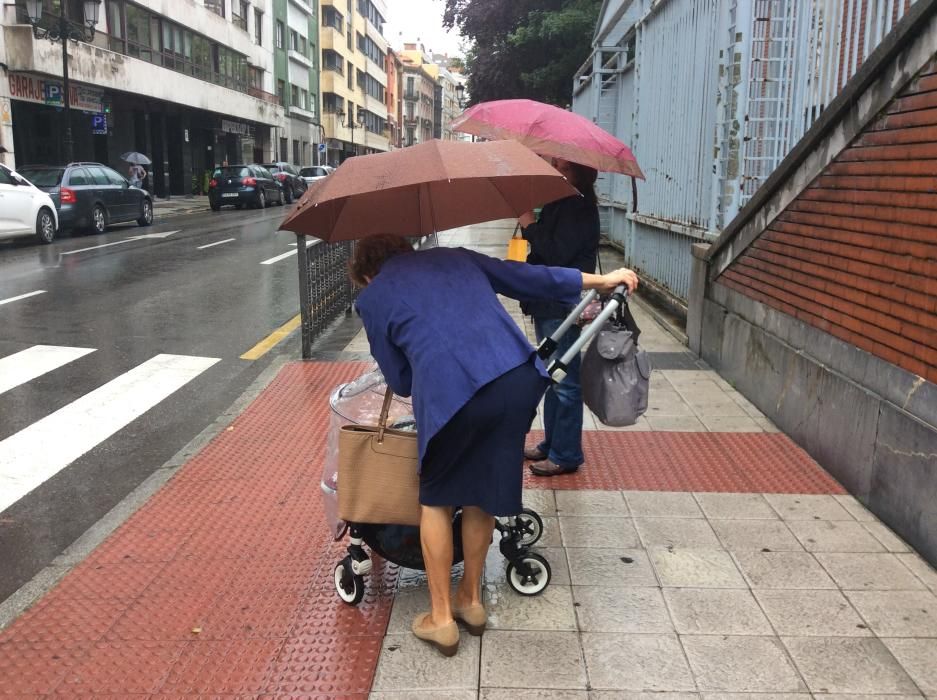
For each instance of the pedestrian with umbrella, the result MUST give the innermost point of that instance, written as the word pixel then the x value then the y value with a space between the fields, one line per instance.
pixel 440 334
pixel 136 173
pixel 565 234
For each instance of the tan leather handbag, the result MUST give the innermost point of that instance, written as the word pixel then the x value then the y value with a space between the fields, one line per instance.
pixel 378 480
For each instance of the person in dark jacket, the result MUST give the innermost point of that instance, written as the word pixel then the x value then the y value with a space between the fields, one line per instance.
pixel 567 235
pixel 439 332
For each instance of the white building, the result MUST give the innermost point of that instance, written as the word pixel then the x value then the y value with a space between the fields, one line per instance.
pixel 189 83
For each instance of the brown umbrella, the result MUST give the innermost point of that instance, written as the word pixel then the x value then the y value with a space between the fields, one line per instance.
pixel 432 187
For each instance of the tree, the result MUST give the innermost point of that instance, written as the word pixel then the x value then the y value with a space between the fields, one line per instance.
pixel 523 48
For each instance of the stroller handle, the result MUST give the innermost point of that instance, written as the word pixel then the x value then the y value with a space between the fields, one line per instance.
pixel 557 368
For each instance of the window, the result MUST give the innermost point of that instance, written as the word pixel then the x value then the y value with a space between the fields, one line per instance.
pixel 333 18
pixel 333 62
pixel 258 27
pixel 367 46
pixel 371 86
pixel 295 150
pixel 411 86
pixel 367 9
pixel 411 136
pixel 114 178
pixel 304 99
pixel 350 77
pixel 216 6
pixel 257 78
pixel 332 103
pixel 98 176
pixel 281 92
pixel 6 178
pixel 239 12
pixel 283 142
pixel 294 40
pixel 280 31
pixel 77 177
pixel 294 95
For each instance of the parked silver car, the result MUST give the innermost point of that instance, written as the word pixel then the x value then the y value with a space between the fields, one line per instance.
pixel 314 173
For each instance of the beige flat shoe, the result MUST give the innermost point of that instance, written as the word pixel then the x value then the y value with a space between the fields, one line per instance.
pixel 445 638
pixel 474 617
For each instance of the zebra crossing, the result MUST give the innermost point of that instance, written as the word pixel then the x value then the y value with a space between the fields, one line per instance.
pixel 36 453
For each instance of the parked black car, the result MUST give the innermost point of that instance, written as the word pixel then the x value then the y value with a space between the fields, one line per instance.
pixel 91 195
pixel 288 176
pixel 243 185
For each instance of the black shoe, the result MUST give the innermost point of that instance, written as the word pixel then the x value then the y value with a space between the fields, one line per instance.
pixel 533 454
pixel 551 469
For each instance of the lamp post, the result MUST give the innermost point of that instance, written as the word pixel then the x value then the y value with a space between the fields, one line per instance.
pixel 351 124
pixel 460 95
pixel 63 29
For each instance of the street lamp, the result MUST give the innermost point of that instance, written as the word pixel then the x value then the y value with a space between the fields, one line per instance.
pixel 62 29
pixel 351 124
pixel 460 95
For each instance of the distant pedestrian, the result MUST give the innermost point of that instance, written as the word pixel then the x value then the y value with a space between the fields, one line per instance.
pixel 136 174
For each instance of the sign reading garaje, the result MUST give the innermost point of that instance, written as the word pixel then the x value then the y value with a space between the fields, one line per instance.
pixel 31 88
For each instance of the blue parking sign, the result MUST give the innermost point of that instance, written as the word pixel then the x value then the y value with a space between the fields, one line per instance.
pixel 99 123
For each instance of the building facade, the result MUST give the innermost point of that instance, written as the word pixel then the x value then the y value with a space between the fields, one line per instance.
pixel 419 95
pixel 189 83
pixel 295 32
pixel 353 77
pixel 394 99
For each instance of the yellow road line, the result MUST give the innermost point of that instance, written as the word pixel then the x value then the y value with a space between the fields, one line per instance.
pixel 267 344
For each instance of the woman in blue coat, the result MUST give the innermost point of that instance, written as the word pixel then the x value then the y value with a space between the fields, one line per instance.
pixel 440 334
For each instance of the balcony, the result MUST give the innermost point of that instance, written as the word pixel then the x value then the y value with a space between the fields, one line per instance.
pixel 300 113
pixel 303 6
pixel 412 96
pixel 263 95
pixel 301 59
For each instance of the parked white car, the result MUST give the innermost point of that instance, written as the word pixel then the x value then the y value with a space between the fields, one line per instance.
pixel 314 173
pixel 25 209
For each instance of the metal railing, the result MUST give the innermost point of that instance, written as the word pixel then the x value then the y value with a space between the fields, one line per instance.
pixel 325 289
pixel 712 95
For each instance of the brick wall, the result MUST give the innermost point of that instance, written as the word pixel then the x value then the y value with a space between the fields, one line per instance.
pixel 855 254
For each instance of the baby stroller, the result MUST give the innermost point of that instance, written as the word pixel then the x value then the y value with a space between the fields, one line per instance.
pixel 359 402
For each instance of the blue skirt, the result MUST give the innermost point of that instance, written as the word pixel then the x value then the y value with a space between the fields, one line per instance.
pixel 477 458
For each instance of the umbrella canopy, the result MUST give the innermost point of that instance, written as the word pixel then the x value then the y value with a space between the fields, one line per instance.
pixel 549 131
pixel 422 189
pixel 135 158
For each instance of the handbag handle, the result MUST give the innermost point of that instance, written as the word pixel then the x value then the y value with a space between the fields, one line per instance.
pixel 385 409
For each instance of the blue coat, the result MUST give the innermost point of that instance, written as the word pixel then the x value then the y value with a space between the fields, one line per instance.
pixel 439 332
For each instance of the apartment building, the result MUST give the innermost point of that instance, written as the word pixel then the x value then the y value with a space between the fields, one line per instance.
pixel 190 83
pixel 296 56
pixel 419 94
pixel 394 99
pixel 353 77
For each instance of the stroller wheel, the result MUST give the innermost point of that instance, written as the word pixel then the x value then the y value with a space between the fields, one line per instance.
pixel 350 588
pixel 529 576
pixel 529 527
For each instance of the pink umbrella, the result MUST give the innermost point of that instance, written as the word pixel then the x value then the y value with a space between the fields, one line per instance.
pixel 549 131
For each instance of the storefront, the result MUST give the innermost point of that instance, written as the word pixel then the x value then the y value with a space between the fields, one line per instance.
pixel 182 142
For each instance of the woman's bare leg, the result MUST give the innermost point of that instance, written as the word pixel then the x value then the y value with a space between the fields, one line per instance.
pixel 477 526
pixel 436 542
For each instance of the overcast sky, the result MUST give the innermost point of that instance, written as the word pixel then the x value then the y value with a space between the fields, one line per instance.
pixel 409 19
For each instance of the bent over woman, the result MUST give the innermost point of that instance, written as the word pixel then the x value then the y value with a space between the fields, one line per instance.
pixel 440 334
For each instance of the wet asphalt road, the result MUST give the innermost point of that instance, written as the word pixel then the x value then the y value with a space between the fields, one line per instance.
pixel 129 302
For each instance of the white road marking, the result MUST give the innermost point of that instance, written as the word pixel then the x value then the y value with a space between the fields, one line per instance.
pixel 37 453
pixel 21 296
pixel 203 247
pixel 311 242
pixel 26 365
pixel 162 234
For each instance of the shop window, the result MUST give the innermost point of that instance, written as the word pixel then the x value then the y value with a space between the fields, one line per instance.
pixel 258 27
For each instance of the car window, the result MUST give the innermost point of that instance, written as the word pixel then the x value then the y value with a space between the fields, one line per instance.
pixel 43 177
pixel 114 177
pixel 232 171
pixel 271 168
pixel 79 176
pixel 97 175
pixel 262 172
pixel 307 172
pixel 6 178
pixel 291 169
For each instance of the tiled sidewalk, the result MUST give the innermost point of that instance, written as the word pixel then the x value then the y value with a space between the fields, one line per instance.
pixel 689 563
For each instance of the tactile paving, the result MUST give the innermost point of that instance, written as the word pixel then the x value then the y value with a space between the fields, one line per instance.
pixel 691 461
pixel 222 583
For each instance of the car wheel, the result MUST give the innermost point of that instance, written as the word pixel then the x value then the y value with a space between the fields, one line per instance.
pixel 261 200
pixel 280 198
pixel 98 219
pixel 45 226
pixel 146 218
pixel 289 195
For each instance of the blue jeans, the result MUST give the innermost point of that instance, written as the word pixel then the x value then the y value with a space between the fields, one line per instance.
pixel 562 404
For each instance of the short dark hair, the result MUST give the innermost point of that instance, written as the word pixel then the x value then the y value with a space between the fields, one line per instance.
pixel 371 253
pixel 584 179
